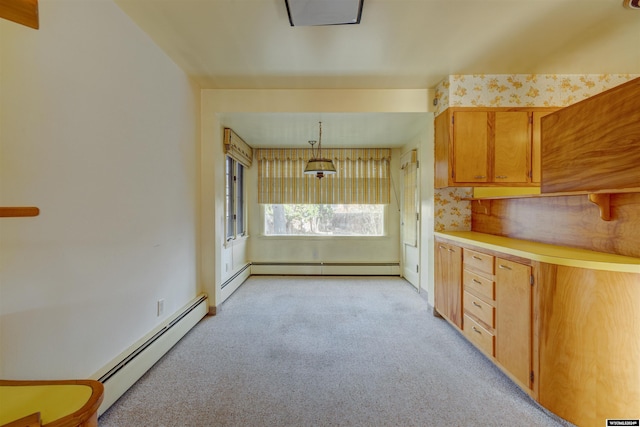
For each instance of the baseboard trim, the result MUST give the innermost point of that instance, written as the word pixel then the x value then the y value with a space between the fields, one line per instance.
pixel 327 268
pixel 230 285
pixel 119 375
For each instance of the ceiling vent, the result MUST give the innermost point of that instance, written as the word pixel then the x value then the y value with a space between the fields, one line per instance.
pixel 323 12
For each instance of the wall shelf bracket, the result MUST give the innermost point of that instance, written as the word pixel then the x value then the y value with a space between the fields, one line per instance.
pixel 603 200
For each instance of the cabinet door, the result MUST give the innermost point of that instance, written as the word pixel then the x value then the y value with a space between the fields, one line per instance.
pixel 512 158
pixel 440 277
pixel 471 146
pixel 455 285
pixel 513 319
pixel 448 282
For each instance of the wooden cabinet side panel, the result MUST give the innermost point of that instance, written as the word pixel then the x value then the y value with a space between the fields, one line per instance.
pixel 470 141
pixel 442 138
pixel 513 319
pixel 567 377
pixel 512 146
pixel 618 344
pixel 536 147
pixel 594 144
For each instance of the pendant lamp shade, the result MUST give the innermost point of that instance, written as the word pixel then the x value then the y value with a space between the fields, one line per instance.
pixel 317 165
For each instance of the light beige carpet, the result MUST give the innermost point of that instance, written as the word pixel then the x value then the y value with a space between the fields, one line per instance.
pixel 325 351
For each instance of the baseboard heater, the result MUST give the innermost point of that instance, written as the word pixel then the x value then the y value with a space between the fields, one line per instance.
pixel 327 268
pixel 136 361
pixel 235 276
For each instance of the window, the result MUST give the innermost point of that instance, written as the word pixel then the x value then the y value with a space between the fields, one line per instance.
pixel 324 219
pixel 350 203
pixel 234 199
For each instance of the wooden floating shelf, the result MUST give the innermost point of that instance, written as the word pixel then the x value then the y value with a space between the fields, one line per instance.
pixel 9 212
pixel 559 194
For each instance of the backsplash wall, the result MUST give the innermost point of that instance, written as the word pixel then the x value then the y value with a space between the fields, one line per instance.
pixel 507 90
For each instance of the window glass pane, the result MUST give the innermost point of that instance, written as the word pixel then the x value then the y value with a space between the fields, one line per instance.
pixel 229 198
pixel 324 220
pixel 239 202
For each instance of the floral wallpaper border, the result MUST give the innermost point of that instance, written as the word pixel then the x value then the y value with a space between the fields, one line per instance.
pixel 507 90
pixel 522 90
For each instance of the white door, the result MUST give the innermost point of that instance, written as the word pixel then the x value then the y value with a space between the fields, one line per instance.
pixel 410 217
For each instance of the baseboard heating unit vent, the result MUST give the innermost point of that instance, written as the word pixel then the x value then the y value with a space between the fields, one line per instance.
pixel 327 268
pixel 132 364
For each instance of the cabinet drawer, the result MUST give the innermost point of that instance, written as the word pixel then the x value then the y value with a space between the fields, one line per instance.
pixel 480 309
pixel 479 285
pixel 478 335
pixel 479 261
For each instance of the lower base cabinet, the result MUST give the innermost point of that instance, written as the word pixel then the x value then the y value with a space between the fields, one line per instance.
pixel 514 291
pixel 568 336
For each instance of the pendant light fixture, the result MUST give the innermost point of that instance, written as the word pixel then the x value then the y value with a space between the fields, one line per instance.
pixel 317 165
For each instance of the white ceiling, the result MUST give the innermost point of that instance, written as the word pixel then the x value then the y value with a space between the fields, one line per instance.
pixel 415 44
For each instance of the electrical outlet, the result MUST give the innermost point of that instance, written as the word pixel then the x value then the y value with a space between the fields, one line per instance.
pixel 160 307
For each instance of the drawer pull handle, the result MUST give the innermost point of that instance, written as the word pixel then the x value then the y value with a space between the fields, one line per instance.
pixel 477 305
pixel 479 177
pixel 501 177
pixel 451 250
pixel 476 281
pixel 477 257
pixel 504 267
pixel 442 247
pixel 476 330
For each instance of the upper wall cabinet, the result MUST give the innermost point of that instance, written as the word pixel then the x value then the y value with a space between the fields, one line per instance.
pixel 594 145
pixel 488 147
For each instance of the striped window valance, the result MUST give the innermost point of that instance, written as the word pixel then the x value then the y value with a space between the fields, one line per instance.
pixel 363 177
pixel 236 148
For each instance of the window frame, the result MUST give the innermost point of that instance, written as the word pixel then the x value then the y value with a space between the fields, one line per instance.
pixel 235 206
pixel 384 235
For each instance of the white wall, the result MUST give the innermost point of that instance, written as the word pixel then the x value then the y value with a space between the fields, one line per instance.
pixel 100 130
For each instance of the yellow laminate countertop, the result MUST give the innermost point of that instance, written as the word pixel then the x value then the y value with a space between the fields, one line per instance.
pixel 543 252
pixel 55 400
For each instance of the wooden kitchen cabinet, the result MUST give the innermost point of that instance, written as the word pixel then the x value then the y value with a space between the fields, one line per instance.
pixel 594 145
pixel 487 147
pixel 478 300
pixel 470 161
pixel 512 147
pixel 561 322
pixel 448 282
pixel 497 305
pixel 514 320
